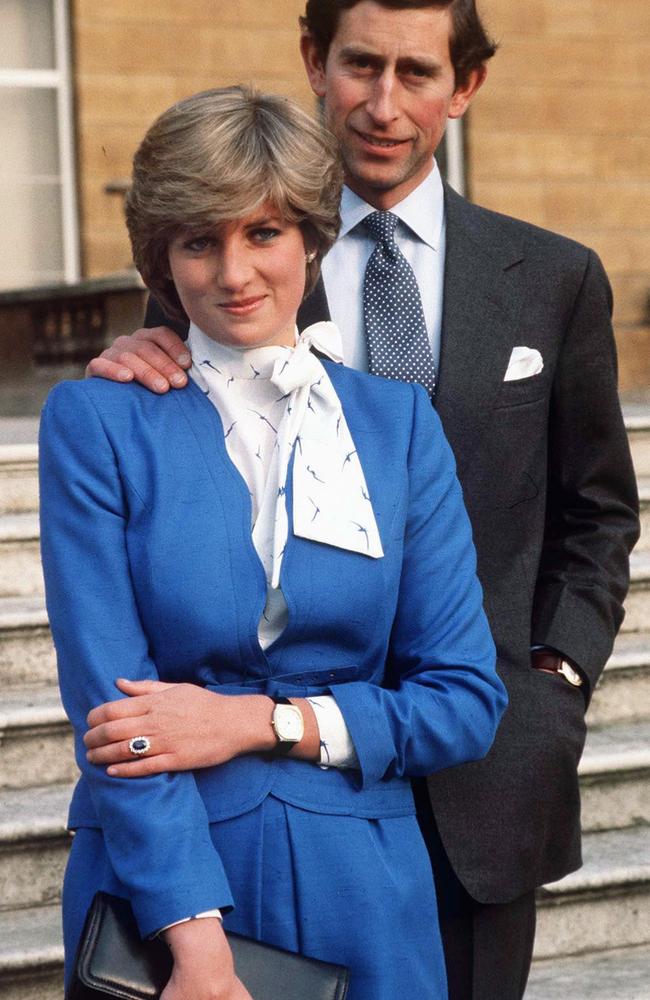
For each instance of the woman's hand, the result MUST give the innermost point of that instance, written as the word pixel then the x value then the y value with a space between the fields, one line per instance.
pixel 203 963
pixel 187 727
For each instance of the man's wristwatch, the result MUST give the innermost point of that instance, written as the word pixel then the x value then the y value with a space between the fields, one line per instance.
pixel 288 726
pixel 544 659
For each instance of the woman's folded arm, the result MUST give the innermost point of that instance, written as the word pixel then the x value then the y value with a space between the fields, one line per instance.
pixel 156 829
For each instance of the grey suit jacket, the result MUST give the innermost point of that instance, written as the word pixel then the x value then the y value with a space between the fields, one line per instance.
pixel 549 486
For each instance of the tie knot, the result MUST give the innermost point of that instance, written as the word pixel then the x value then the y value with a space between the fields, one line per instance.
pixel 381 225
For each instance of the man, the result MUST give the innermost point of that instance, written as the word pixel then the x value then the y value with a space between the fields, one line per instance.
pixel 522 370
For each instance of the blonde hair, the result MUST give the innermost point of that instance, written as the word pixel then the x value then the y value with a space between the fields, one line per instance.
pixel 218 156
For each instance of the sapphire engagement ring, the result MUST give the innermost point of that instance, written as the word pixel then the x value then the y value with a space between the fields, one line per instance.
pixel 139 745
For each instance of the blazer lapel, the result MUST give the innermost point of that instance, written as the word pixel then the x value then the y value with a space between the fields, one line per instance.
pixel 483 295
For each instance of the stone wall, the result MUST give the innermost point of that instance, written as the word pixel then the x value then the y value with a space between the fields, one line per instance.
pixel 133 59
pixel 560 135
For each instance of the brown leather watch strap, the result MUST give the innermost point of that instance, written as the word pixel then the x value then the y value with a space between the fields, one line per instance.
pixel 553 663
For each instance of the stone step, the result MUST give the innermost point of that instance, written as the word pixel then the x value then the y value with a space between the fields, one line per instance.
pixel 26 651
pixel 621 974
pixel 31 954
pixel 604 905
pixel 18 478
pixel 34 845
pixel 36 739
pixel 637 604
pixel 27 657
pixel 623 692
pixel 20 555
pixel 644 501
pixel 615 777
pixel 637 422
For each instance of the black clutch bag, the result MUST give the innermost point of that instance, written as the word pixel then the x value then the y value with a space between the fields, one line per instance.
pixel 113 961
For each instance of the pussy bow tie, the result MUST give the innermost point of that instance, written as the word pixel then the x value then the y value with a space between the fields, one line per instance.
pixel 331 500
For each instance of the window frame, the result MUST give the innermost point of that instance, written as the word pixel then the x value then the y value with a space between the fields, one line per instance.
pixel 59 80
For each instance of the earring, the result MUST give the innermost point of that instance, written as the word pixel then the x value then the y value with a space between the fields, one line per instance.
pixel 310 257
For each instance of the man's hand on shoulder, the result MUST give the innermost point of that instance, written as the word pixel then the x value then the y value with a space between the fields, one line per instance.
pixel 156 357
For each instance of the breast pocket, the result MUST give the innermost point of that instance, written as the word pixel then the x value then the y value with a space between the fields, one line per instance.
pixel 522 391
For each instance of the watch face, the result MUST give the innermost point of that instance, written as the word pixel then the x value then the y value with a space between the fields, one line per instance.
pixel 288 723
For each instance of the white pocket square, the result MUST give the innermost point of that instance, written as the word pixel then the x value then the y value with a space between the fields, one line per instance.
pixel 524 362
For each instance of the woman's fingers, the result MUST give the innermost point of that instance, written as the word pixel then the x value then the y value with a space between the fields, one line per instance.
pixel 121 708
pixel 108 733
pixel 143 766
pixel 119 752
pixel 134 688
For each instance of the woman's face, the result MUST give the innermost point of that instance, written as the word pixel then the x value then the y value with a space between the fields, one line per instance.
pixel 241 282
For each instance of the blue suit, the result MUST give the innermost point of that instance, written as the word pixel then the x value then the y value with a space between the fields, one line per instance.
pixel 151 573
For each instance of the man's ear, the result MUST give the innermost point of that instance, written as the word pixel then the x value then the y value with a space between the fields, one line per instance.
pixel 314 65
pixel 465 92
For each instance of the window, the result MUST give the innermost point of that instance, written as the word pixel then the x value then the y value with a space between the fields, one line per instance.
pixel 37 184
pixel 451 155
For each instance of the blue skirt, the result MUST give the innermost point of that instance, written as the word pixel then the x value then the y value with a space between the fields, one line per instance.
pixel 339 888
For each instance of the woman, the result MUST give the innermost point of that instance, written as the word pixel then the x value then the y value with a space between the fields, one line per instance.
pixel 277 569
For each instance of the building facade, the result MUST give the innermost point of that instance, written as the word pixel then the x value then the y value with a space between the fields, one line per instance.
pixel 559 135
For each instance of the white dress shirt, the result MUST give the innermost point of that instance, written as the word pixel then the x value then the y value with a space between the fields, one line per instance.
pixel 420 236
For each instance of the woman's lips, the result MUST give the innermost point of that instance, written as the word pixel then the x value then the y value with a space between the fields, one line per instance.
pixel 242 307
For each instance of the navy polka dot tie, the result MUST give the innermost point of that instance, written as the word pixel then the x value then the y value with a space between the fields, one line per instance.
pixel 396 334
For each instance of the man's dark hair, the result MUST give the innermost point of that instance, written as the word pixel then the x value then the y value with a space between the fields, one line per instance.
pixel 470 44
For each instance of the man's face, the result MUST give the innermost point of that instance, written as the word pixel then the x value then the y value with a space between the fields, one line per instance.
pixel 388 88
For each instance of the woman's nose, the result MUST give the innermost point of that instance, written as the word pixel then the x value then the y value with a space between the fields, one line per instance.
pixel 234 267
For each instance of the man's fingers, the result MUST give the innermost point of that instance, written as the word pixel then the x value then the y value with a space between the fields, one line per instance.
pixel 168 341
pixel 153 356
pixel 145 357
pixel 104 368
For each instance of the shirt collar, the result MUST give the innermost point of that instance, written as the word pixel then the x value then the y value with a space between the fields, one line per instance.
pixel 423 210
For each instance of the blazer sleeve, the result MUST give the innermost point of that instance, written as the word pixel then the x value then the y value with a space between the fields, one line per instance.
pixel 592 503
pixel 442 698
pixel 156 828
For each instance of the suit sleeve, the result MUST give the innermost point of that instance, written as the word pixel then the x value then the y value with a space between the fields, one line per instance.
pixel 592 505
pixel 156 828
pixel 442 699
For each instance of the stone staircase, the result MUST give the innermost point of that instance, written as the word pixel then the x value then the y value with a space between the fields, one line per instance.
pixel 593 940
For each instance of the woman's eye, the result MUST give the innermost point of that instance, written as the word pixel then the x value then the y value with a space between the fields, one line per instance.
pixel 265 234
pixel 198 243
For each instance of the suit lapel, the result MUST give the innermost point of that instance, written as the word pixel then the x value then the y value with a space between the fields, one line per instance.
pixel 483 295
pixel 314 309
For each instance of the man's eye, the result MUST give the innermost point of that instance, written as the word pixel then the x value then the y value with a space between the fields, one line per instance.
pixel 418 73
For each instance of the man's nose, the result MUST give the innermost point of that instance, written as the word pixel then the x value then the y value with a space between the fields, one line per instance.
pixel 382 102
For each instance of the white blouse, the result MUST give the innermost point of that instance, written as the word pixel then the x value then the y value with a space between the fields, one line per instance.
pixel 238 383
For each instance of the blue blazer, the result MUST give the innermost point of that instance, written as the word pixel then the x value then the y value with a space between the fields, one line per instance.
pixel 151 572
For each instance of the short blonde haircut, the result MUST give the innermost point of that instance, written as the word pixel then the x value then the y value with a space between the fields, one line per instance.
pixel 217 157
